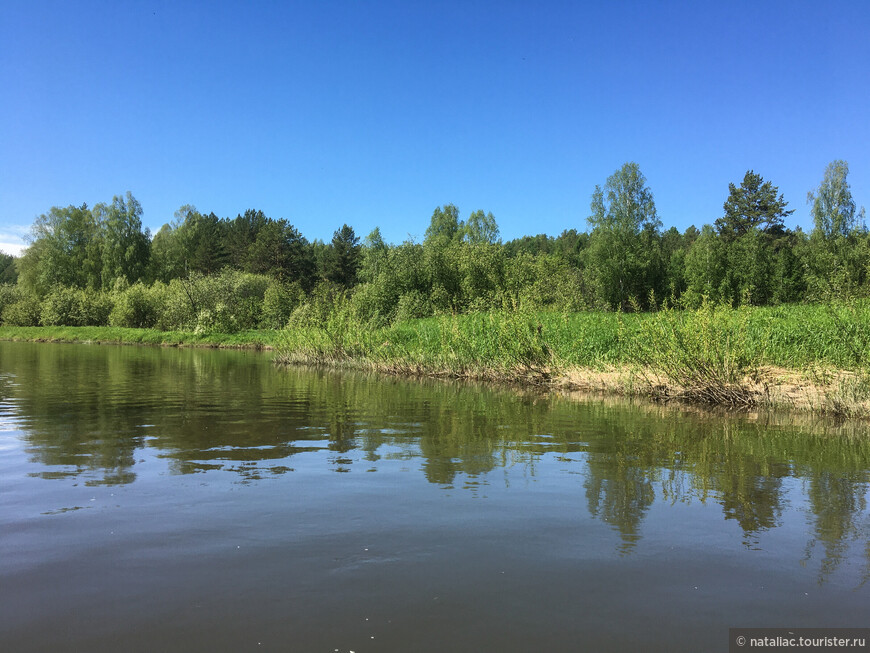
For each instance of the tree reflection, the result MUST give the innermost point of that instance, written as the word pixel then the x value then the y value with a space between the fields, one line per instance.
pixel 88 413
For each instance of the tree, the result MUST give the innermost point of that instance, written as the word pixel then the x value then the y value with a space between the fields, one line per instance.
pixel 753 205
pixel 343 259
pixel 8 269
pixel 624 255
pixel 281 251
pixel 65 249
pixel 444 225
pixel 705 267
pixel 126 248
pixel 833 207
pixel 375 254
pixel 167 260
pixel 481 228
pixel 241 233
pixel 836 256
pixel 201 239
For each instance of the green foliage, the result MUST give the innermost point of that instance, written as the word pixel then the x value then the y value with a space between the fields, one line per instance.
pixel 706 265
pixel 280 251
pixel 279 301
pixel 66 249
pixel 177 304
pixel 543 283
pixel 125 247
pixel 837 255
pixel 624 255
pixel 414 304
pixel 444 226
pixel 343 259
pixel 8 269
pixel 754 205
pixel 23 311
pixel 9 294
pixel 833 206
pixel 137 307
pixel 228 302
pixel 75 307
pixel 481 228
pixel 704 353
pixel 327 323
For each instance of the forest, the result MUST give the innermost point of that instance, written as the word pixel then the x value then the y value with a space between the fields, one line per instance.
pixel 93 266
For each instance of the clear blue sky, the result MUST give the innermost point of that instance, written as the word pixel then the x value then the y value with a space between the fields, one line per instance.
pixel 374 113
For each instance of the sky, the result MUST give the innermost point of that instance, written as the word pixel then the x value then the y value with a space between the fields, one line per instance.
pixel 374 113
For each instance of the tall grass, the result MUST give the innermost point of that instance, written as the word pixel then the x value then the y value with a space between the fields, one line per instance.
pixel 703 354
pixel 714 354
pixel 485 345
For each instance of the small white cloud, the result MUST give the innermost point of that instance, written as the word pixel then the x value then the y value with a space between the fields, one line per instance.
pixel 12 239
pixel 12 248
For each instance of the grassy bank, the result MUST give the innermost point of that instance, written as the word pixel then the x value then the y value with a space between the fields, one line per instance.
pixel 814 357
pixel 807 356
pixel 262 339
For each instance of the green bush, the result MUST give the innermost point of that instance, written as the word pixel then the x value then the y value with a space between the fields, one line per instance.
pixel 96 307
pixel 705 353
pixel 9 294
pixel 279 301
pixel 135 307
pixel 228 302
pixel 62 307
pixel 23 312
pixel 65 306
pixel 175 305
pixel 413 305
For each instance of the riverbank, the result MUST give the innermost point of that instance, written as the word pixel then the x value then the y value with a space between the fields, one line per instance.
pixel 255 339
pixel 808 357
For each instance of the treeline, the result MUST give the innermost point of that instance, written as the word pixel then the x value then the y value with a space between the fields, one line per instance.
pixel 99 266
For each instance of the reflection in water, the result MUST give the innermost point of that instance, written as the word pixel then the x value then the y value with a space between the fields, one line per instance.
pixel 87 413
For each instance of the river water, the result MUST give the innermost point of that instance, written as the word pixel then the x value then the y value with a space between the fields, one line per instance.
pixel 200 500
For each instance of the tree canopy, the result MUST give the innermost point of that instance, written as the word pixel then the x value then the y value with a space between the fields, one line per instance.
pixel 752 205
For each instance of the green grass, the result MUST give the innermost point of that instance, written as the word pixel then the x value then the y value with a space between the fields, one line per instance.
pixel 708 353
pixel 792 337
pixel 117 335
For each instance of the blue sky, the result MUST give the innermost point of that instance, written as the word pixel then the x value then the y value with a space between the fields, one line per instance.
pixel 374 113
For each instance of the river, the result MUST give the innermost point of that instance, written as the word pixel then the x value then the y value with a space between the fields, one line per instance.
pixel 201 500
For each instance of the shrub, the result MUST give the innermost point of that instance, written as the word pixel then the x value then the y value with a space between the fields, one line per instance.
pixel 65 306
pixel 9 294
pixel 279 301
pixel 62 307
pixel 704 353
pixel 413 305
pixel 96 307
pixel 176 305
pixel 23 312
pixel 135 307
pixel 227 302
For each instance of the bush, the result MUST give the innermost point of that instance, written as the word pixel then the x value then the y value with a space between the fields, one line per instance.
pixel 23 312
pixel 9 294
pixel 226 303
pixel 62 307
pixel 175 305
pixel 135 307
pixel 279 301
pixel 96 307
pixel 65 306
pixel 705 353
pixel 413 305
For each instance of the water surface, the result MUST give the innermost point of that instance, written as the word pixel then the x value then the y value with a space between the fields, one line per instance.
pixel 198 500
